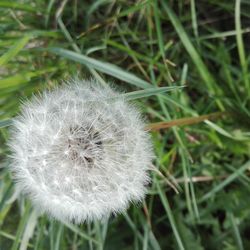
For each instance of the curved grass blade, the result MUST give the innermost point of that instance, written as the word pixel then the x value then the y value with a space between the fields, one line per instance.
pixel 12 52
pixel 104 67
pixel 149 92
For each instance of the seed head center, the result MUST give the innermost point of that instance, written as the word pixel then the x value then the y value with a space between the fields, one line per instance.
pixel 84 146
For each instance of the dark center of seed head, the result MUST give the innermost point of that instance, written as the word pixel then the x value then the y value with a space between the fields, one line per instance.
pixel 84 145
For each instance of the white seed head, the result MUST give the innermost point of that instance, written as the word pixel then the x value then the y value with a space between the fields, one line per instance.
pixel 80 152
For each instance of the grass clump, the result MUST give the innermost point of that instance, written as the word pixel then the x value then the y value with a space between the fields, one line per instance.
pixel 199 197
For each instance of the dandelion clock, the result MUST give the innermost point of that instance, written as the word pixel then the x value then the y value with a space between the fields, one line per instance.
pixel 80 152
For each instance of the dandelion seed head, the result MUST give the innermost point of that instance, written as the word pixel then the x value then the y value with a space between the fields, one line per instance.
pixel 80 152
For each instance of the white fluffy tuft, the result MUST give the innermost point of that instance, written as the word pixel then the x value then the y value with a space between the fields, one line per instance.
pixel 80 152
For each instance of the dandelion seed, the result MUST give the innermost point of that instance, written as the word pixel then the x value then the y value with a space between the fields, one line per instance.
pixel 78 155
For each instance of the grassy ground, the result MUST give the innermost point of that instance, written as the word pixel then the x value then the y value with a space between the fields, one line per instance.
pixel 201 44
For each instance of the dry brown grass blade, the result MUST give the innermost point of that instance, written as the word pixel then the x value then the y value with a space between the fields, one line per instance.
pixel 184 121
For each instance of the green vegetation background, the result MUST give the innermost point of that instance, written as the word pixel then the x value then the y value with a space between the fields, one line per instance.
pixel 140 44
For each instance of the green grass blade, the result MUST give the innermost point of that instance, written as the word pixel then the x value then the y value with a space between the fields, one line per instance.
pixel 48 10
pixel 224 34
pixel 5 193
pixel 68 36
pixel 160 38
pixel 149 92
pixel 29 229
pixel 218 129
pixel 223 132
pixel 145 237
pixel 12 52
pixel 80 232
pixel 5 123
pixel 226 182
pixel 77 49
pixel 17 6
pixel 12 237
pixel 58 237
pixel 165 203
pixel 134 8
pixel 39 241
pixel 202 68
pixel 133 226
pixel 194 18
pixel 21 226
pixel 158 29
pixel 186 182
pixel 236 232
pixel 154 243
pixel 21 78
pixel 104 67
pixel 240 46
